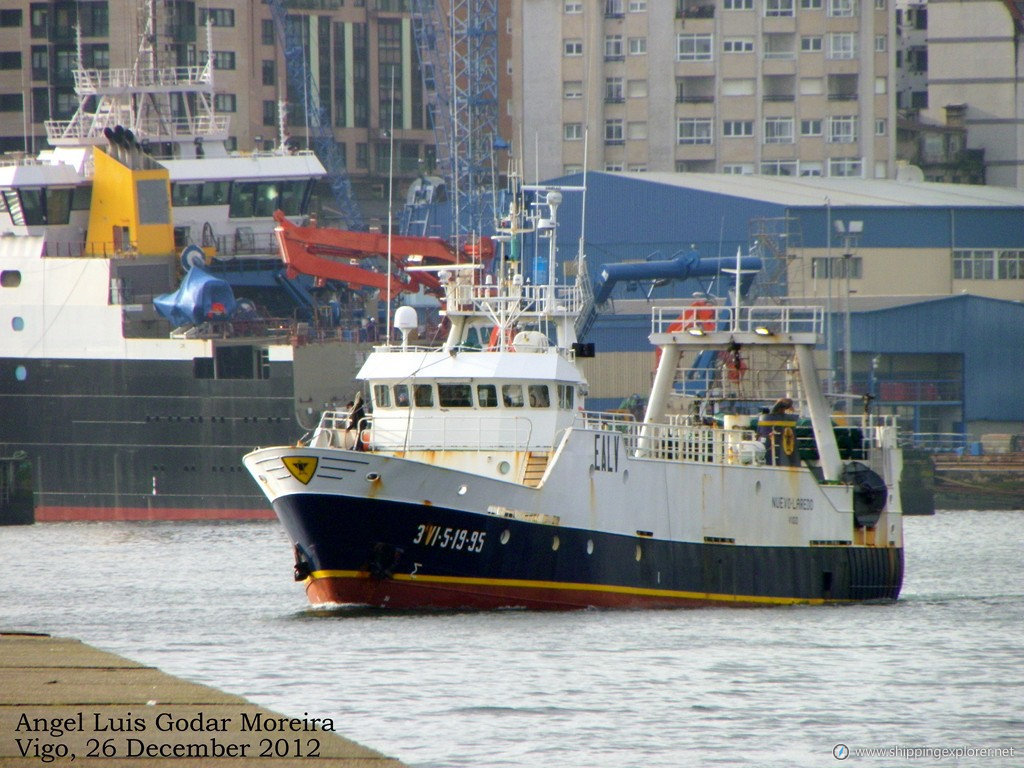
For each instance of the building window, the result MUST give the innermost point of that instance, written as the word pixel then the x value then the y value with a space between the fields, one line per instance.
pixel 738 5
pixel 810 44
pixel 778 130
pixel 636 89
pixel 842 8
pixel 613 167
pixel 637 46
pixel 225 102
pixel 572 48
pixel 842 129
pixel 10 18
pixel 636 131
pixel 11 102
pixel 1010 265
pixel 738 169
pixel 267 35
pixel 572 89
pixel 637 168
pixel 573 6
pixel 810 127
pixel 693 48
pixel 572 131
pixel 778 168
pixel 778 7
pixel 738 45
pixel 694 130
pixel 733 129
pixel 848 167
pixel 842 45
pixel 269 72
pixel 269 112
pixel 880 44
pixel 810 5
pixel 810 169
pixel 637 6
pixel 840 266
pixel 10 59
pixel 613 48
pixel 974 265
pixel 880 127
pixel 219 17
pixel 613 90
pixel 224 60
pixel 570 168
pixel 613 131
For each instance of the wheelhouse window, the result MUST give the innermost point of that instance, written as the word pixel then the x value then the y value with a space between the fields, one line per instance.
pixel 539 396
pixel 455 395
pixel 402 395
pixel 423 396
pixel 512 395
pixel 487 395
pixel 565 396
pixel 382 395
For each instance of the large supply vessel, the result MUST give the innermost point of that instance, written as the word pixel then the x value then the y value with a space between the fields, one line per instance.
pixel 475 477
pixel 109 411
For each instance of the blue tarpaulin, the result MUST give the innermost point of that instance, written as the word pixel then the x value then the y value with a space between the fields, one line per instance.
pixel 200 297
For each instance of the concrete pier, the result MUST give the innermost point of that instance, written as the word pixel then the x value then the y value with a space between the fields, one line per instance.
pixel 62 701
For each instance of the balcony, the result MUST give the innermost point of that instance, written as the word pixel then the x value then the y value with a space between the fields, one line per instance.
pixel 695 11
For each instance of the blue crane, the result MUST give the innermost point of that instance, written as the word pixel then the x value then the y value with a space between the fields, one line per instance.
pixel 302 80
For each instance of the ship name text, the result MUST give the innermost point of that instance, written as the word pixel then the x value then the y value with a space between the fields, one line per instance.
pixel 792 502
pixel 606 452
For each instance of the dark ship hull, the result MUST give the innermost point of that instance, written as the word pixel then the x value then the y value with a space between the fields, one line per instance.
pixel 144 439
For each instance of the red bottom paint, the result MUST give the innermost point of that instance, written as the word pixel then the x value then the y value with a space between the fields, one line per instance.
pixel 410 594
pixel 57 514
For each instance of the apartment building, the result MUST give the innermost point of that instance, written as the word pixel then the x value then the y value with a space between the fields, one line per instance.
pixel 777 87
pixel 974 59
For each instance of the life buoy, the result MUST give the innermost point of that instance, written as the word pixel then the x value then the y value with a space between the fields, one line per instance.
pixel 700 314
pixel 364 440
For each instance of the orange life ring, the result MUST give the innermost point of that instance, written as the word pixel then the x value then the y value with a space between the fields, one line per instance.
pixel 701 313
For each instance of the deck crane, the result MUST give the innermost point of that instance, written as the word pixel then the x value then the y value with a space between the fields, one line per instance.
pixel 303 81
pixel 457 42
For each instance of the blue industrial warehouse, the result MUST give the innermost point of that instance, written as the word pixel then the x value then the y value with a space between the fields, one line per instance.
pixel 937 271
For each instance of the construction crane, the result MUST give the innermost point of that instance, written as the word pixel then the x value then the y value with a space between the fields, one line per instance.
pixel 457 42
pixel 302 80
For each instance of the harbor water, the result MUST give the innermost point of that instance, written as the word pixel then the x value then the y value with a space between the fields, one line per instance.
pixel 943 668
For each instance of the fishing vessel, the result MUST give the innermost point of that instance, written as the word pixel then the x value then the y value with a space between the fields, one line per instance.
pixel 111 411
pixel 477 478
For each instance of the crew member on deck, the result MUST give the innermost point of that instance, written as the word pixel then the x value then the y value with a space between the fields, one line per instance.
pixel 356 413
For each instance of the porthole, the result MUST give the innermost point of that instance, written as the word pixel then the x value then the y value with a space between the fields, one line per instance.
pixel 18 323
pixel 462 490
pixel 757 487
pixel 555 543
pixel 504 467
pixel 590 546
pixel 639 553
pixel 21 373
pixel 505 536
pixel 10 278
